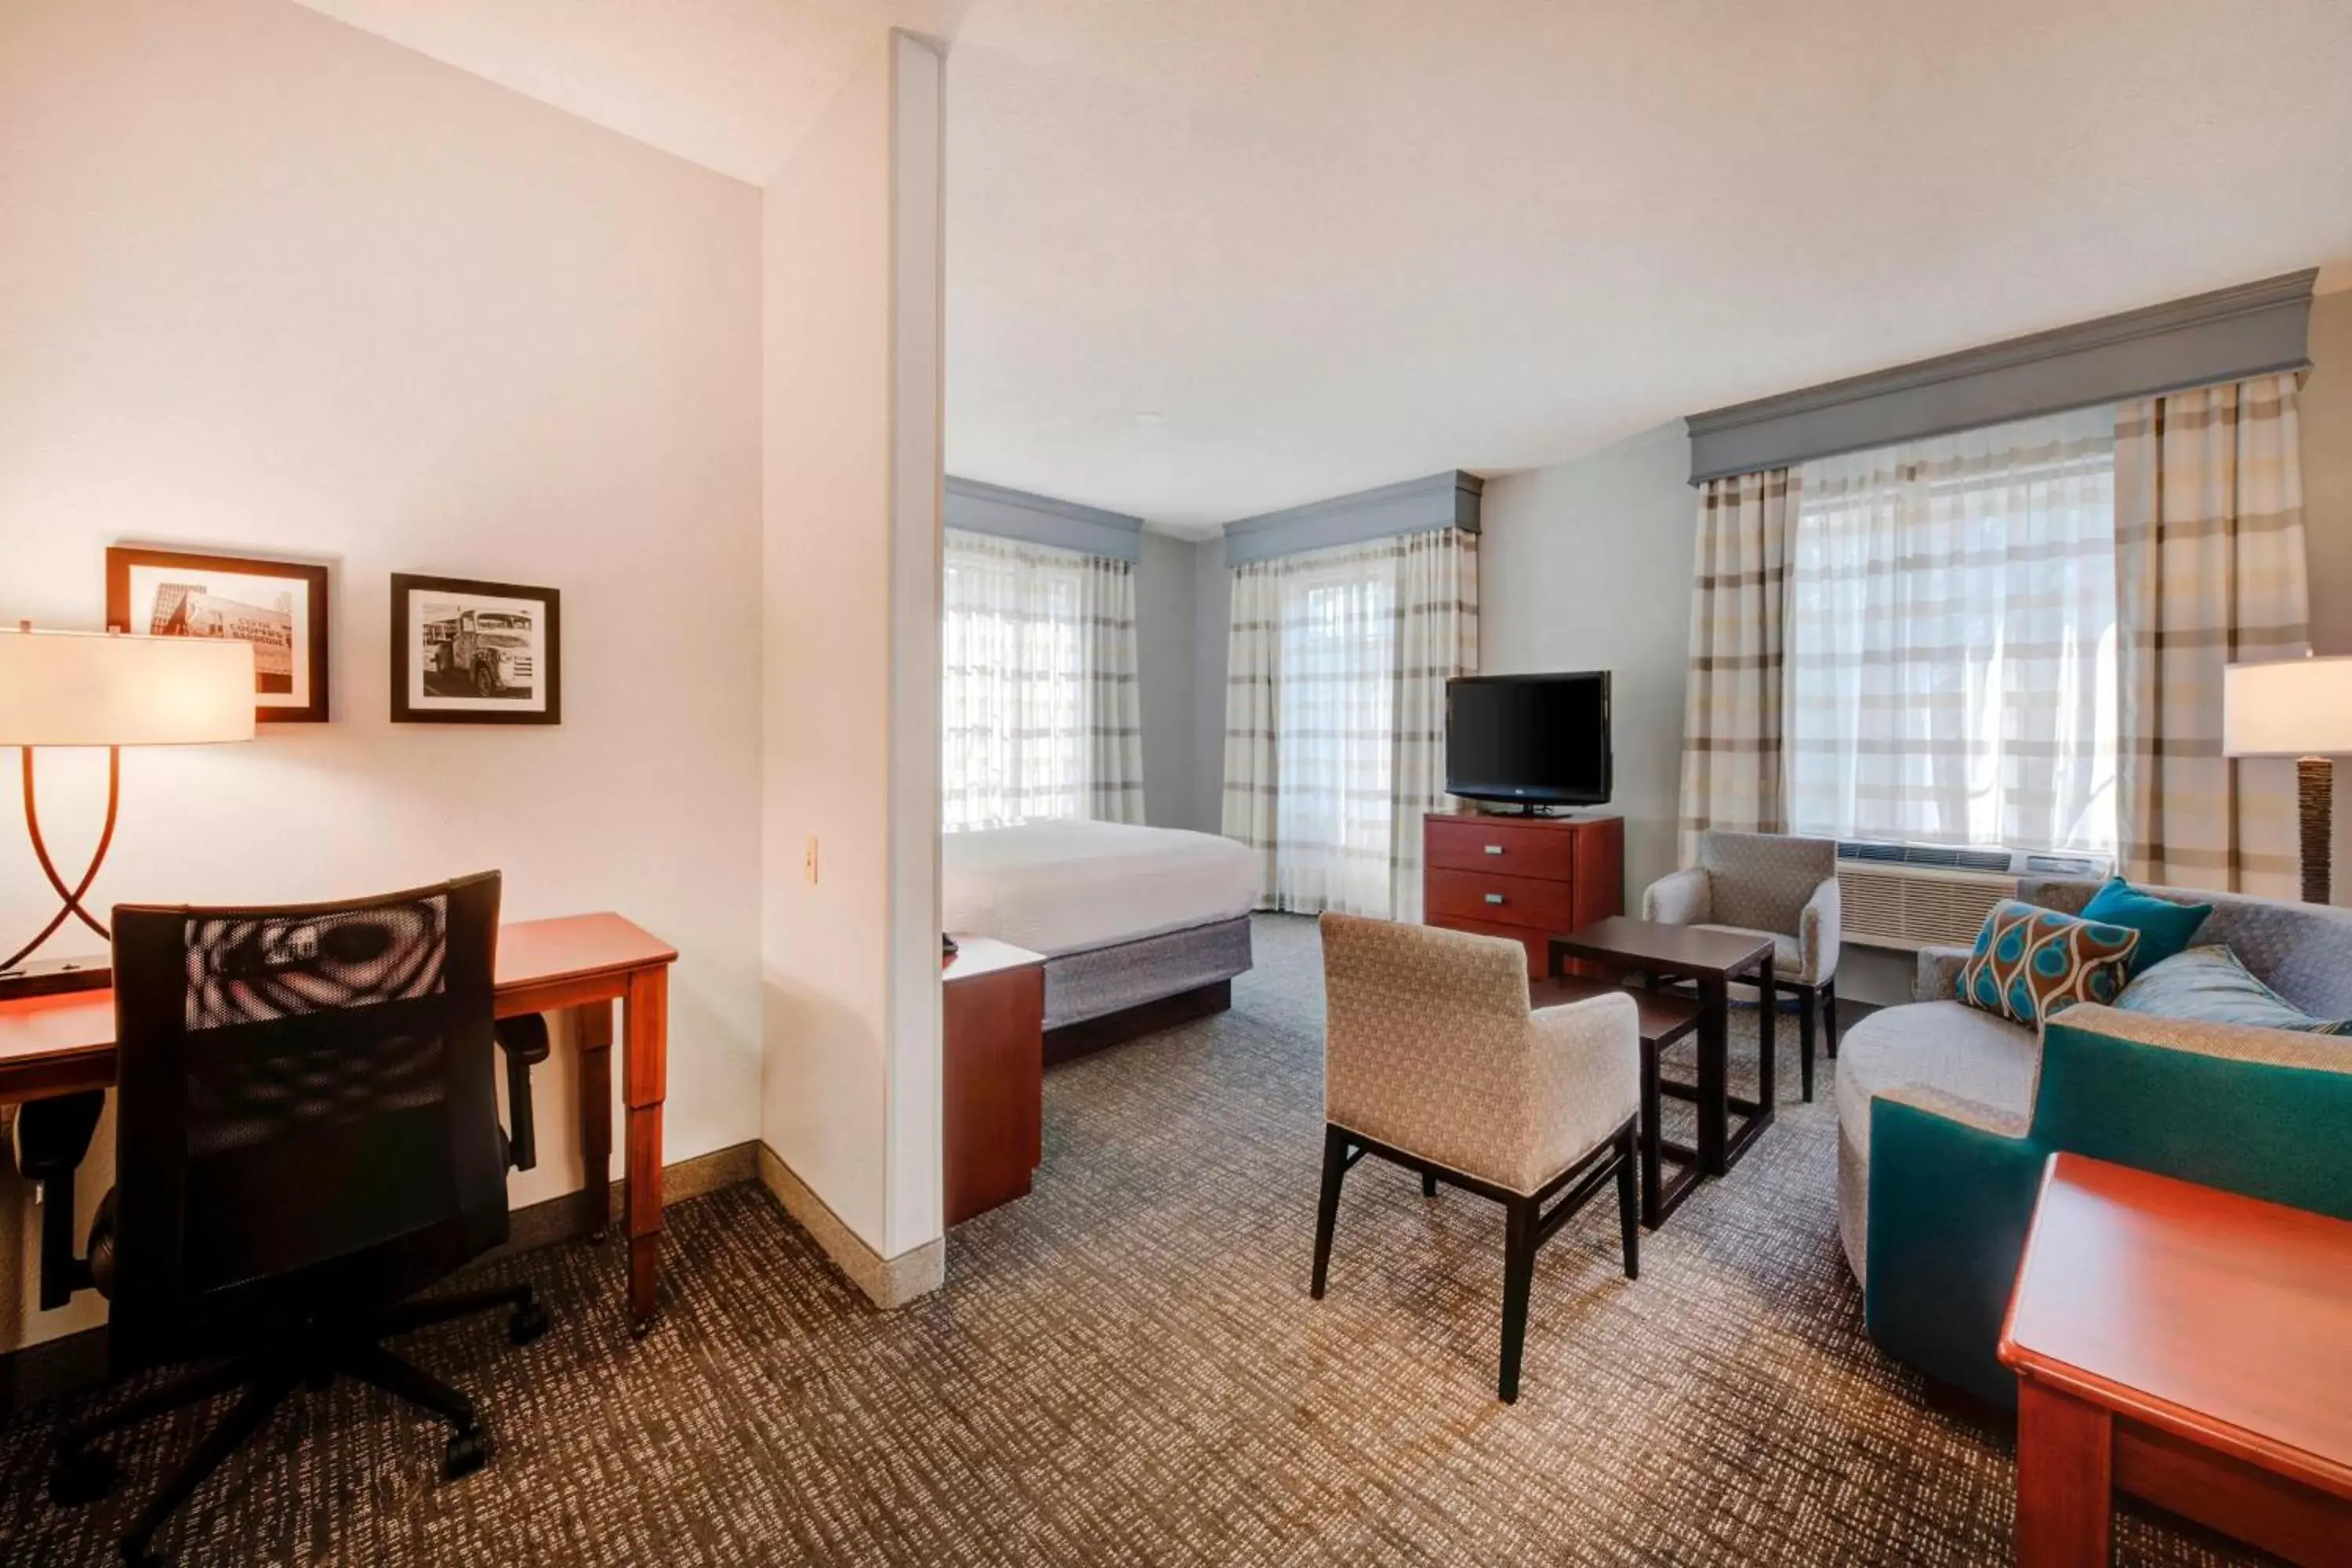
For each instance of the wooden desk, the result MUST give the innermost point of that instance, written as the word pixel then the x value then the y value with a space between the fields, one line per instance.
pixel 579 963
pixel 2187 1346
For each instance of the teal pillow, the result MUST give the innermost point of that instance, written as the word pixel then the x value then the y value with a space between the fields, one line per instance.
pixel 2209 985
pixel 2165 928
pixel 2031 963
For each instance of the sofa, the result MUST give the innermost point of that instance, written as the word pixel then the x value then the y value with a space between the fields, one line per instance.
pixel 1947 1115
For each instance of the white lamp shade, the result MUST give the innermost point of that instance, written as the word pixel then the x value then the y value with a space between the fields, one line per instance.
pixel 2295 708
pixel 81 688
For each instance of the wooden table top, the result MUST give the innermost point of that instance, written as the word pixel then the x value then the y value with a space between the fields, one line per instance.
pixel 1663 1015
pixel 2216 1317
pixel 1653 945
pixel 80 1025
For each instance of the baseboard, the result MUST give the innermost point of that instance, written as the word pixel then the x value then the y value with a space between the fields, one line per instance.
pixel 71 1363
pixel 887 1282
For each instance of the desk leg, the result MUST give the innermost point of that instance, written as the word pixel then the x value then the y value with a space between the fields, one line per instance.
pixel 1767 1040
pixel 2065 1476
pixel 645 1069
pixel 1713 1089
pixel 592 1027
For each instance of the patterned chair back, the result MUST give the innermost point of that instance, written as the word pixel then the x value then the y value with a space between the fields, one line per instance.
pixel 307 1112
pixel 1762 880
pixel 1426 1040
pixel 2302 952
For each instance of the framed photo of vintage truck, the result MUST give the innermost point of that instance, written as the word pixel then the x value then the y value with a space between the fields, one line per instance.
pixel 278 606
pixel 475 653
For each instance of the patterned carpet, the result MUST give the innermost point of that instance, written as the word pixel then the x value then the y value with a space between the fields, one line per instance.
pixel 1125 1368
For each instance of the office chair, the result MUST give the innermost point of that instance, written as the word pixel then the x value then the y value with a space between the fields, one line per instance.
pixel 307 1135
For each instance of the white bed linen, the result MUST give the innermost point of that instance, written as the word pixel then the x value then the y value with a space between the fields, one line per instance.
pixel 1067 887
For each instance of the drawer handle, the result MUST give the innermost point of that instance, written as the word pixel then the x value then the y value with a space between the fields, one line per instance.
pixel 1494 850
pixel 1494 897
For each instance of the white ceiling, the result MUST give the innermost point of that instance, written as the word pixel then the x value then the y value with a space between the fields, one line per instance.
pixel 730 84
pixel 1336 243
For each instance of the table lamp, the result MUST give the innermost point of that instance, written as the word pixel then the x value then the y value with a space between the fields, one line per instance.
pixel 83 689
pixel 2299 708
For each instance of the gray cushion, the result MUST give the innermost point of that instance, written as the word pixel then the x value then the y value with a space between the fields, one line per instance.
pixel 1943 1045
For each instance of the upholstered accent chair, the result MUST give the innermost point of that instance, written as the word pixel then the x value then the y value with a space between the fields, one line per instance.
pixel 1766 884
pixel 1434 1060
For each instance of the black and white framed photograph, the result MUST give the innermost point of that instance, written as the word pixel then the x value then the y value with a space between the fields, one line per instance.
pixel 278 606
pixel 475 653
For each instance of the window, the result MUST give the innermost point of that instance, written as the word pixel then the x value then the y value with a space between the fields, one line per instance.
pixel 1952 644
pixel 1334 735
pixel 1037 687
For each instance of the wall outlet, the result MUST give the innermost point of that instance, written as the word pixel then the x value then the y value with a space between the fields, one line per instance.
pixel 811 859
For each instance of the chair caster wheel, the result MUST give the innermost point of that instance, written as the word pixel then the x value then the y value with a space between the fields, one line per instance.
pixel 527 1325
pixel 83 1476
pixel 468 1452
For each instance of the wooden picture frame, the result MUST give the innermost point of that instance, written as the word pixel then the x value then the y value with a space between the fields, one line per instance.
pixel 468 652
pixel 180 593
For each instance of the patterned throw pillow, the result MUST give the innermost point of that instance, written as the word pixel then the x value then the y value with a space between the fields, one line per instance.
pixel 2033 962
pixel 2210 985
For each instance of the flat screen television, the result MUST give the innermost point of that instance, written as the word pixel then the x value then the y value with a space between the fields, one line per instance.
pixel 1532 739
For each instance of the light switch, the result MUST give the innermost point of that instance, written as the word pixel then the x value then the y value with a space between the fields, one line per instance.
pixel 811 859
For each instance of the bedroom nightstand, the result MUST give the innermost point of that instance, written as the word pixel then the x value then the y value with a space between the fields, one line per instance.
pixel 993 1046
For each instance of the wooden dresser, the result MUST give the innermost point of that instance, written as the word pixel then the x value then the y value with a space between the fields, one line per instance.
pixel 1525 878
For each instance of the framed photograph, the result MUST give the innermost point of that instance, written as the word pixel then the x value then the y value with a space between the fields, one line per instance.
pixel 278 606
pixel 475 653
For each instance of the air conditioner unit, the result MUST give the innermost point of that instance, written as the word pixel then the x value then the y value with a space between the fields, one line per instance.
pixel 1909 896
pixel 1912 906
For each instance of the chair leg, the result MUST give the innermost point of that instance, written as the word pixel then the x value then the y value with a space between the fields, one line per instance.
pixel 243 1419
pixel 373 1364
pixel 1428 1185
pixel 1808 997
pixel 1829 1010
pixel 1629 1202
pixel 1519 1276
pixel 529 1320
pixel 1326 1212
pixel 189 1390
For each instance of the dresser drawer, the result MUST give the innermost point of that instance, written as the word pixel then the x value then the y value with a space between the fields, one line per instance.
pixel 1504 900
pixel 1485 845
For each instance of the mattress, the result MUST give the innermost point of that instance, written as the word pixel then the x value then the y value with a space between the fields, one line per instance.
pixel 1067 886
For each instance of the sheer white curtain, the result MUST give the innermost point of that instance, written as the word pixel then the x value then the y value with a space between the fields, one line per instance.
pixel 1038 696
pixel 1951 641
pixel 1335 715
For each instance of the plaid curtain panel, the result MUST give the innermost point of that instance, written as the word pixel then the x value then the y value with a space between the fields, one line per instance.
pixel 1731 704
pixel 2209 572
pixel 1951 651
pixel 1335 715
pixel 1038 699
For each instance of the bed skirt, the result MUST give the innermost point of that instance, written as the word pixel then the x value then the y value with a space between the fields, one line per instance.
pixel 1082 986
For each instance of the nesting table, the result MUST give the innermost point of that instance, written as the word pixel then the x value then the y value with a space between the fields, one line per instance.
pixel 1713 960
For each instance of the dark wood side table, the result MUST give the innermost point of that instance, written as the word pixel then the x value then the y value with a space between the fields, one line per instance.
pixel 1665 1018
pixel 991 1109
pixel 2187 1346
pixel 1712 960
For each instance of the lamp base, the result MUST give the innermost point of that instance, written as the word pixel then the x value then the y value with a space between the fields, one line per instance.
pixel 2314 780
pixel 56 976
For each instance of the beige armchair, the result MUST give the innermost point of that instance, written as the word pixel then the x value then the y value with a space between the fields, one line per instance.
pixel 1766 884
pixel 1434 1060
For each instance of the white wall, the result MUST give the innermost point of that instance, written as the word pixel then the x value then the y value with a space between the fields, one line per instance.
pixel 1164 589
pixel 1586 565
pixel 269 284
pixel 850 730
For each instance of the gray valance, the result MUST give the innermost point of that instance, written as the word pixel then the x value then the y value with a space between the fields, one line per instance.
pixel 976 508
pixel 1448 500
pixel 2255 329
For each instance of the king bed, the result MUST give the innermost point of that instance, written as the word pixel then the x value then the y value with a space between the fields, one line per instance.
pixel 1142 928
